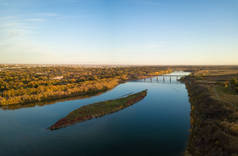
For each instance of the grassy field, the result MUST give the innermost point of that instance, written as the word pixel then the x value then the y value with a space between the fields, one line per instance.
pixel 214 112
pixel 98 110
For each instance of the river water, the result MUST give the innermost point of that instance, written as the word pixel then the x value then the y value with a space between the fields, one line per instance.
pixel 157 125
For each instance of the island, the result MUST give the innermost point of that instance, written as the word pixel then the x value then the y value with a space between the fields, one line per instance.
pixel 99 109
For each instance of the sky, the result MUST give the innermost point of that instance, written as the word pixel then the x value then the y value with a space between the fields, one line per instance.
pixel 143 32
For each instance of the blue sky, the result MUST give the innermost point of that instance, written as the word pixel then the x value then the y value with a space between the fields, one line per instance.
pixel 155 32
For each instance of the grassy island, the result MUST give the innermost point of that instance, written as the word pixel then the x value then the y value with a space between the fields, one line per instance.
pixel 98 110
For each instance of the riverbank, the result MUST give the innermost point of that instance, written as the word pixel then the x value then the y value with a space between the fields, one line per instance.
pixel 46 93
pixel 50 93
pixel 98 110
pixel 214 114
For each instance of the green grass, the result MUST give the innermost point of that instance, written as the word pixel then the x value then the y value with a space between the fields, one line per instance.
pixel 214 114
pixel 226 90
pixel 98 109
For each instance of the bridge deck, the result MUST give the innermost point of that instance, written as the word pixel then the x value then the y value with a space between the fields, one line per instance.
pixel 170 75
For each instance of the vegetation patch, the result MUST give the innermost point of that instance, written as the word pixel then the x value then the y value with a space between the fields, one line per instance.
pixel 98 110
pixel 214 113
pixel 26 84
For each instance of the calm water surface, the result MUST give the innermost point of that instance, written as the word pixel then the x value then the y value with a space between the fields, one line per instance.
pixel 157 125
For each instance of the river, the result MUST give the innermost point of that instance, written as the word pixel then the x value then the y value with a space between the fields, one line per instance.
pixel 157 125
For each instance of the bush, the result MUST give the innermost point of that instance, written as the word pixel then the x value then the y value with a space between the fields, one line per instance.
pixel 234 82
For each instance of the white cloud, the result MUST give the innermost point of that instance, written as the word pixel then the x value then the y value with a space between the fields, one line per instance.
pixel 11 27
pixel 15 27
pixel 48 14
pixel 147 2
pixel 16 42
pixel 155 45
pixel 151 2
pixel 35 20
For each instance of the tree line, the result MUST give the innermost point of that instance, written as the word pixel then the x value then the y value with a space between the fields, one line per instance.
pixel 26 83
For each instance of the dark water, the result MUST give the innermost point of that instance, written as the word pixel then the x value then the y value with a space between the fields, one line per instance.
pixel 157 125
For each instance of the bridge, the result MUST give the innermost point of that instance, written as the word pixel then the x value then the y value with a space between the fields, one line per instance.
pixel 166 78
pixel 172 75
pixel 180 75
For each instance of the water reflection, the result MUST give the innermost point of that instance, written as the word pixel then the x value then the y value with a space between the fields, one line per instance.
pixel 40 104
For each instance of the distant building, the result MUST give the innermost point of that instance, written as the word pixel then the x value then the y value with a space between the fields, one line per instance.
pixel 58 77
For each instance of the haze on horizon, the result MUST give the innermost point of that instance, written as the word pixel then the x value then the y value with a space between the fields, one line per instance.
pixel 119 32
